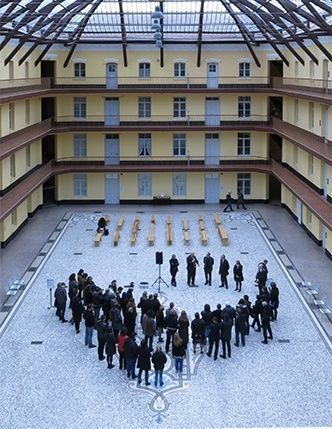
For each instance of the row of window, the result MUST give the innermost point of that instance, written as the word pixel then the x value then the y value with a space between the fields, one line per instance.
pixel 145 143
pixel 144 184
pixel 179 107
pixel 179 69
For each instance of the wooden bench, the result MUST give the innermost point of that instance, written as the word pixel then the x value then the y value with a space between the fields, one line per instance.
pixel 185 225
pixel 116 238
pixel 169 234
pixel 169 220
pixel 223 234
pixel 134 230
pixel 217 219
pixel 98 238
pixel 120 223
pixel 200 218
pixel 151 234
pixel 186 236
pixel 133 238
pixel 204 237
pixel 201 225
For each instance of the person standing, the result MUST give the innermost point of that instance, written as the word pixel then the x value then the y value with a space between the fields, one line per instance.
pixel 149 328
pixel 226 335
pixel 183 328
pixel 160 323
pixel 102 331
pixel 171 325
pixel 192 262
pixel 178 352
pixel 266 314
pixel 274 300
pixel 214 338
pixel 61 300
pixel 130 355
pixel 144 362
pixel 110 347
pixel 223 271
pixel 240 200
pixel 229 201
pixel 173 267
pixel 90 322
pixel 240 326
pixel 208 266
pixel 197 332
pixel 261 278
pixel 122 338
pixel 159 360
pixel 238 275
pixel 77 311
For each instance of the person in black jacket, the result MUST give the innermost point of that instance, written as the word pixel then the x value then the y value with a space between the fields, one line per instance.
pixel 160 323
pixel 173 268
pixel 102 331
pixel 240 326
pixel 261 278
pixel 208 262
pixel 223 271
pixel 197 332
pixel 60 295
pixel 255 312
pixel 77 309
pixel 178 352
pixel 226 336
pixel 266 314
pixel 192 263
pixel 217 313
pixel 110 346
pixel 183 328
pixel 171 325
pixel 159 360
pixel 214 338
pixel 144 362
pixel 90 322
pixel 130 355
pixel 238 275
pixel 207 317
pixel 229 201
pixel 274 300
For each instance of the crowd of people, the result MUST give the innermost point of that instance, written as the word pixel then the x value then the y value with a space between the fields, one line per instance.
pixel 113 314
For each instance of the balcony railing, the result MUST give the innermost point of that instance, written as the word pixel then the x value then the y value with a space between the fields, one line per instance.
pixel 190 82
pixel 11 85
pixel 322 86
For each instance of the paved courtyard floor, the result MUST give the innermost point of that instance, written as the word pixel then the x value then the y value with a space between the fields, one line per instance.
pixel 49 379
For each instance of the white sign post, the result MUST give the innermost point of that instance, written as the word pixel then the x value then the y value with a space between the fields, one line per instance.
pixel 50 286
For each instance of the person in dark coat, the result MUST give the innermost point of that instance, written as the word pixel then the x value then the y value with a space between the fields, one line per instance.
pixel 261 278
pixel 217 313
pixel 159 360
pixel 192 263
pixel 240 200
pixel 143 304
pixel 160 323
pixel 130 355
pixel 116 319
pixel 110 347
pixel 223 271
pixel 178 352
pixel 229 312
pixel 171 325
pixel 255 312
pixel 214 338
pixel 144 362
pixel 274 300
pixel 61 300
pixel 226 336
pixel 238 275
pixel 266 314
pixel 149 328
pixel 155 304
pixel 247 306
pixel 208 262
pixel 197 332
pixel 183 328
pixel 90 322
pixel 173 268
pixel 102 226
pixel 130 318
pixel 102 329
pixel 77 309
pixel 72 288
pixel 97 302
pixel 240 326
pixel 229 201
pixel 207 317
pixel 122 338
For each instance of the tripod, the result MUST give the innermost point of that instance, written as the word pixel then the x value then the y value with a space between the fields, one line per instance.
pixel 159 279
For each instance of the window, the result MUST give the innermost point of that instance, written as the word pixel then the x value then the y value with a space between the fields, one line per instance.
pixel 144 107
pixel 26 70
pixel 212 68
pixel 179 69
pixel 144 144
pixel 310 165
pixel 295 155
pixel 144 70
pixel 79 70
pixel 244 107
pixel 244 183
pixel 296 68
pixel 179 184
pixel 244 69
pixel 243 143
pixel 14 217
pixel 309 217
pixel 12 165
pixel 27 112
pixel 28 155
pixel 11 116
pixel 79 144
pixel 144 185
pixel 311 115
pixel 311 69
pixel 179 107
pixel 11 69
pixel 80 185
pixel 79 107
pixel 296 111
pixel 179 144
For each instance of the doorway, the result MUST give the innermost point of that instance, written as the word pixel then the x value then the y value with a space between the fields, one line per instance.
pixel 211 188
pixel 112 111
pixel 212 75
pixel 276 69
pixel 112 189
pixel 112 149
pixel 111 75
pixel 212 149
pixel 212 111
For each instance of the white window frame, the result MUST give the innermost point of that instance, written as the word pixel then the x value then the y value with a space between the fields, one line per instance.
pixel 244 144
pixel 311 115
pixel 244 183
pixel 179 69
pixel 296 110
pixel 244 106
pixel 79 145
pixel 179 144
pixel 28 155
pixel 144 107
pixel 12 165
pixel 144 184
pixel 144 144
pixel 144 70
pixel 310 165
pixel 27 111
pixel 80 185
pixel 179 184
pixel 244 69
pixel 179 107
pixel 11 114
pixel 80 107
pixel 79 70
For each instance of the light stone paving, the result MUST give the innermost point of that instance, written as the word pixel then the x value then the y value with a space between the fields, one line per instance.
pixel 61 384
